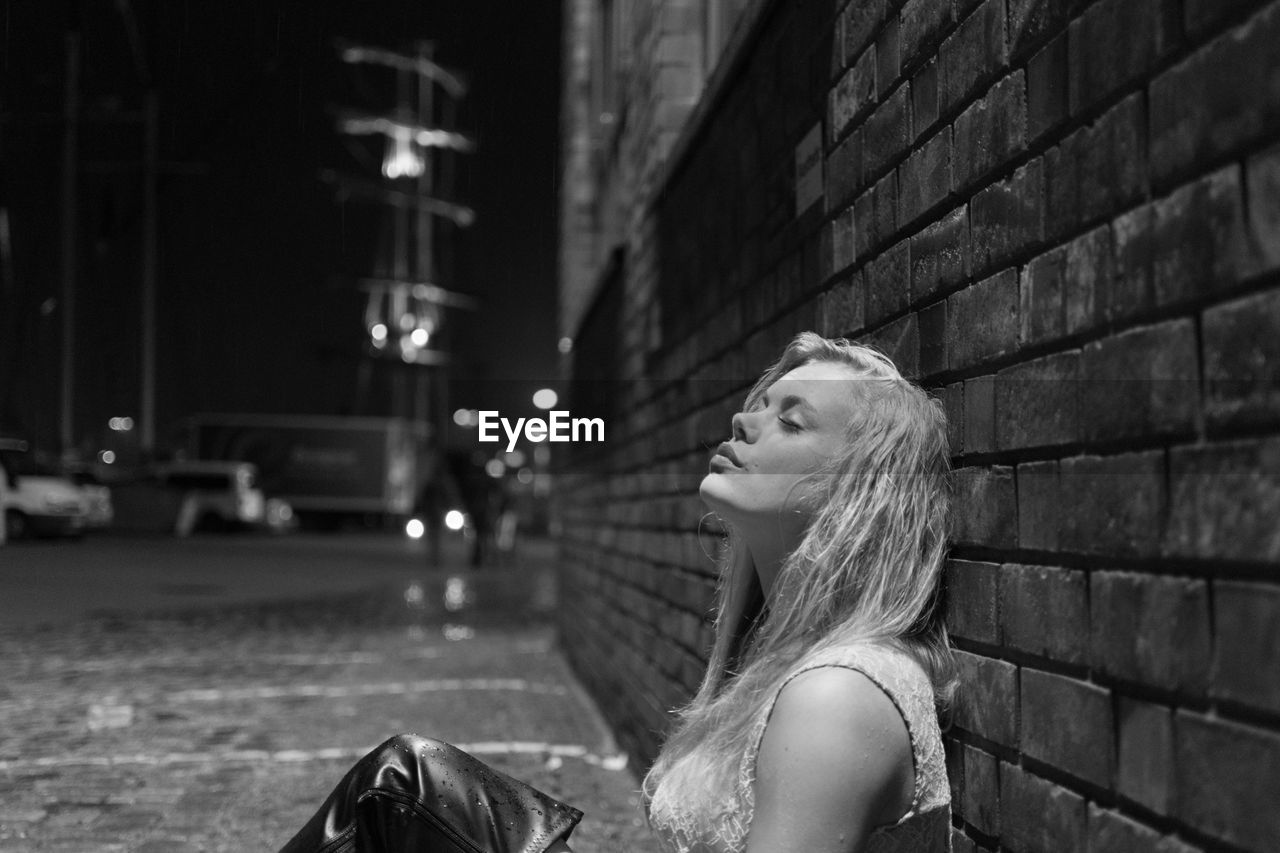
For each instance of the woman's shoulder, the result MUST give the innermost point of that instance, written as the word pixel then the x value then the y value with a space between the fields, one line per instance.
pixel 891 668
pixel 880 660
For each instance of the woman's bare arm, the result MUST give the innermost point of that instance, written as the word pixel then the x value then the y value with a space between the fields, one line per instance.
pixel 834 764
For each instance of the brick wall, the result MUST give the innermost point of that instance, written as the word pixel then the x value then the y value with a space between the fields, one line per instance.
pixel 1062 217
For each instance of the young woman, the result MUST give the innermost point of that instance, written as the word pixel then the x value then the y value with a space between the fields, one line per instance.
pixel 815 727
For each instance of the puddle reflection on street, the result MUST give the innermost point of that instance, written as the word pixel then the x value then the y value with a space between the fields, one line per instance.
pixel 415 596
pixel 458 593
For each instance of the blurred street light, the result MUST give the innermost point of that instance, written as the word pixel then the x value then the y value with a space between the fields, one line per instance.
pixel 545 398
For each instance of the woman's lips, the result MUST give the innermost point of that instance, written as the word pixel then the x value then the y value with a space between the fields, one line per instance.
pixel 719 462
pixel 725 457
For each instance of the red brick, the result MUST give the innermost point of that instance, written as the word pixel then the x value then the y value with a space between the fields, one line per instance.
pixel 1144 771
pixel 1059 714
pixel 886 133
pixel 1047 88
pixel 988 703
pixel 972 593
pixel 1141 382
pixel 973 55
pixel 844 172
pixel 853 95
pixel 1037 816
pixel 842 309
pixel 985 509
pixel 837 64
pixel 1031 23
pixel 1116 503
pixel 1062 187
pixel 923 23
pixel 981 802
pixel 862 20
pixel 1089 275
pixel 980 414
pixel 1131 292
pixel 884 207
pixel 982 320
pixel 989 132
pixel 836 245
pixel 1202 14
pixel 1110 832
pixel 679 48
pixel 933 338
pixel 1218 101
pixel 1115 43
pixel 888 59
pixel 1225 499
pixel 865 238
pixel 953 402
pixel 940 254
pixel 1228 775
pixel 1045 610
pixel 1262 176
pixel 1241 350
pixel 1037 402
pixel 1113 160
pixel 888 279
pixel 1246 668
pixel 1151 630
pixel 924 97
pixel 1006 219
pixel 1039 505
pixel 900 340
pixel 954 756
pixel 1040 297
pixel 924 178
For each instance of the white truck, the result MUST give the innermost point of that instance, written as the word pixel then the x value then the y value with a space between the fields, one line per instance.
pixel 324 467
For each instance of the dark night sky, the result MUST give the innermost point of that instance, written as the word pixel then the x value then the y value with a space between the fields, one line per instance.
pixel 257 308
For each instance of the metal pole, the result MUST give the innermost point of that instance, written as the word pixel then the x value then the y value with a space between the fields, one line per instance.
pixel 426 266
pixel 402 405
pixel 150 166
pixel 70 147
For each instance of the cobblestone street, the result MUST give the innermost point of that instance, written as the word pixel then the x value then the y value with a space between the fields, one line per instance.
pixel 222 727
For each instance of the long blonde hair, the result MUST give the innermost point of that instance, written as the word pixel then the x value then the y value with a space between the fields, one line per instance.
pixel 868 568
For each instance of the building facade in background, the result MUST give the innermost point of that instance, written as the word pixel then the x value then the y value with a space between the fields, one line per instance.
pixel 1064 219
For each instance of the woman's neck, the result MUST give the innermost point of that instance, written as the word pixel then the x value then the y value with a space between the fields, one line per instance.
pixel 769 546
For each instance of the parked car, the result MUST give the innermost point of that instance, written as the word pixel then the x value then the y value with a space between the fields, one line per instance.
pixel 99 509
pixel 37 499
pixel 215 494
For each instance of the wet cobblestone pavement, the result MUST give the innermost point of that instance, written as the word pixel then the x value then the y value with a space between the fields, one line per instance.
pixel 222 729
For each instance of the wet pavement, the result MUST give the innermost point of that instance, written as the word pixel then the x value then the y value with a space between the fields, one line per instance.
pixel 222 727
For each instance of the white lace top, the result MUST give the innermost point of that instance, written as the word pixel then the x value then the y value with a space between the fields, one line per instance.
pixel 925 828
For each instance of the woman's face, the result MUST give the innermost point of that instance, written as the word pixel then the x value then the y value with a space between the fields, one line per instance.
pixel 800 426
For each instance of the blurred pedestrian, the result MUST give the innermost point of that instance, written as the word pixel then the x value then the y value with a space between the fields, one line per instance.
pixel 475 488
pixel 437 494
pixel 815 727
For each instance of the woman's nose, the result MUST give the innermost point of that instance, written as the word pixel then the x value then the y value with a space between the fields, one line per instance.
pixel 739 422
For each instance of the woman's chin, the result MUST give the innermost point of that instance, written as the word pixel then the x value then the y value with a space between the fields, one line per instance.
pixel 715 493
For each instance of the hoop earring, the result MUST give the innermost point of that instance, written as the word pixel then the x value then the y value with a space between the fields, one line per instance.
pixel 698 532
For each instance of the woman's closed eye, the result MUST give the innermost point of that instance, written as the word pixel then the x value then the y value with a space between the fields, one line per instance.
pixel 789 426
